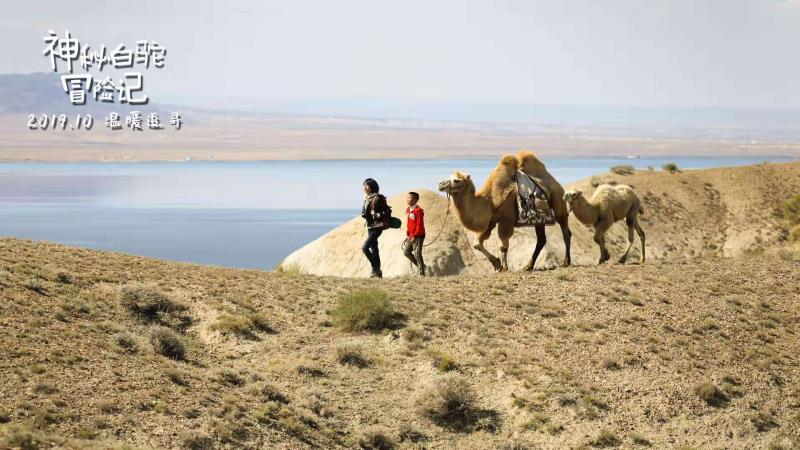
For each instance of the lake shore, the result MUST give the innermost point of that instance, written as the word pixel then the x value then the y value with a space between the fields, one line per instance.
pixel 230 138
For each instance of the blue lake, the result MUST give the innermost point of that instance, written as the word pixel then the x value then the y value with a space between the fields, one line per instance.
pixel 237 214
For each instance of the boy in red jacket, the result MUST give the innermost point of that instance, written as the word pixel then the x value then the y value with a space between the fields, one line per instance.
pixel 415 224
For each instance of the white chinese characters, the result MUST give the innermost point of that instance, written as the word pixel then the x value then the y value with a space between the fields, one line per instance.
pixel 69 50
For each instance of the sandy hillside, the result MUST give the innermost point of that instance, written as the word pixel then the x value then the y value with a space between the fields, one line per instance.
pixel 714 212
pixel 698 353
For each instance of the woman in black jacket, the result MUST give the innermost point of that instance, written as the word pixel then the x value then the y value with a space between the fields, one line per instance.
pixel 376 213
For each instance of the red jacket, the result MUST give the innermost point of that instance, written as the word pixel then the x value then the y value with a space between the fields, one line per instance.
pixel 415 225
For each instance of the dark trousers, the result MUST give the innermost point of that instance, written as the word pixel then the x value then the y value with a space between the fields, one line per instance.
pixel 413 251
pixel 370 249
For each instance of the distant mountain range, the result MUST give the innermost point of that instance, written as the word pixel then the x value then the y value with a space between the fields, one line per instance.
pixel 42 93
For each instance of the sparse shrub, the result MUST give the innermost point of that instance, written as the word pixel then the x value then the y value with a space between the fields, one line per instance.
pixel 151 305
pixel 516 445
pixel 242 325
pixel 763 420
pixel 230 378
pixel 167 343
pixel 35 286
pixel 624 169
pixel 791 210
pixel 671 168
pixel 450 401
pixel 442 361
pixel 191 413
pixel 376 439
pixel 292 270
pixel 605 438
pixel 711 394
pixel 146 300
pixel 161 407
pixel 314 372
pixel 352 355
pixel 107 406
pixel 414 334
pixel 175 375
pixel 126 340
pixel 44 417
pixel 707 325
pixel 794 233
pixel 44 388
pixel 26 437
pixel 777 445
pixel 640 439
pixel 410 433
pixel 730 386
pixel 194 440
pixel 270 393
pixel 368 309
pixel 610 364
pixel 589 400
pixel 537 421
pixel 64 277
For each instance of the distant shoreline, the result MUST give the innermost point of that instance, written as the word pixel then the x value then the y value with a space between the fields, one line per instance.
pixel 786 157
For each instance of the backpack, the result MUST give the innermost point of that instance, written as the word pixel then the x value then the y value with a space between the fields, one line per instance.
pixel 384 219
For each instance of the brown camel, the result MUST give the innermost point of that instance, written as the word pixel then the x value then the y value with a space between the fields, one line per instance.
pixel 495 205
pixel 609 204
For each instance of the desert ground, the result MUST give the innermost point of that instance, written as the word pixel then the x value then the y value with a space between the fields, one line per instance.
pixel 691 350
pixel 697 354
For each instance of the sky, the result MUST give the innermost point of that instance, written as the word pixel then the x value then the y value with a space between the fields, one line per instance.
pixel 618 53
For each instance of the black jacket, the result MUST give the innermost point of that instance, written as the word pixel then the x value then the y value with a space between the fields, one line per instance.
pixel 376 211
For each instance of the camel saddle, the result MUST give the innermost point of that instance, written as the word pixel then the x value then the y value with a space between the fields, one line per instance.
pixel 533 206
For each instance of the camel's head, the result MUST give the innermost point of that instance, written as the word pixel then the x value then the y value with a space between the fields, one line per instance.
pixel 457 182
pixel 570 196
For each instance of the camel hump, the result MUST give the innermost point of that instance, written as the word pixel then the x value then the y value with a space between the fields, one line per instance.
pixel 530 163
pixel 510 162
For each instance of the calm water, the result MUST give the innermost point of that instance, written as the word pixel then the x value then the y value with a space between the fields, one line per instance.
pixel 249 214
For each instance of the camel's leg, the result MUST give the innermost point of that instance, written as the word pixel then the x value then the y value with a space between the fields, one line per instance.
pixel 565 231
pixel 630 224
pixel 541 239
pixel 504 232
pixel 478 245
pixel 640 232
pixel 600 239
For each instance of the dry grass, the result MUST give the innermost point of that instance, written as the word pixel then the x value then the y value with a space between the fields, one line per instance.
pixel 167 343
pixel 542 360
pixel 625 169
pixel 449 401
pixel 671 168
pixel 246 325
pixel 376 438
pixel 352 355
pixel 711 394
pixel 366 309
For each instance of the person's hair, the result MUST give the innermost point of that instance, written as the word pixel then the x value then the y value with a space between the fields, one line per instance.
pixel 372 185
pixel 414 194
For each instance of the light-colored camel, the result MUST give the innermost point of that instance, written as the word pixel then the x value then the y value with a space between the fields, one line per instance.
pixel 608 205
pixel 495 205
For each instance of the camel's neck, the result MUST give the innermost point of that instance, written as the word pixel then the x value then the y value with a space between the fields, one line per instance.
pixel 475 211
pixel 585 212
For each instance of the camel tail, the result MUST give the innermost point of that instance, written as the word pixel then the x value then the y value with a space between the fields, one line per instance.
pixel 641 210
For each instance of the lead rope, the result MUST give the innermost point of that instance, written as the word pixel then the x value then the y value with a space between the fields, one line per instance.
pixel 444 222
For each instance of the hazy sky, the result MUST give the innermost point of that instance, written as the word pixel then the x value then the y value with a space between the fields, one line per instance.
pixel 743 53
